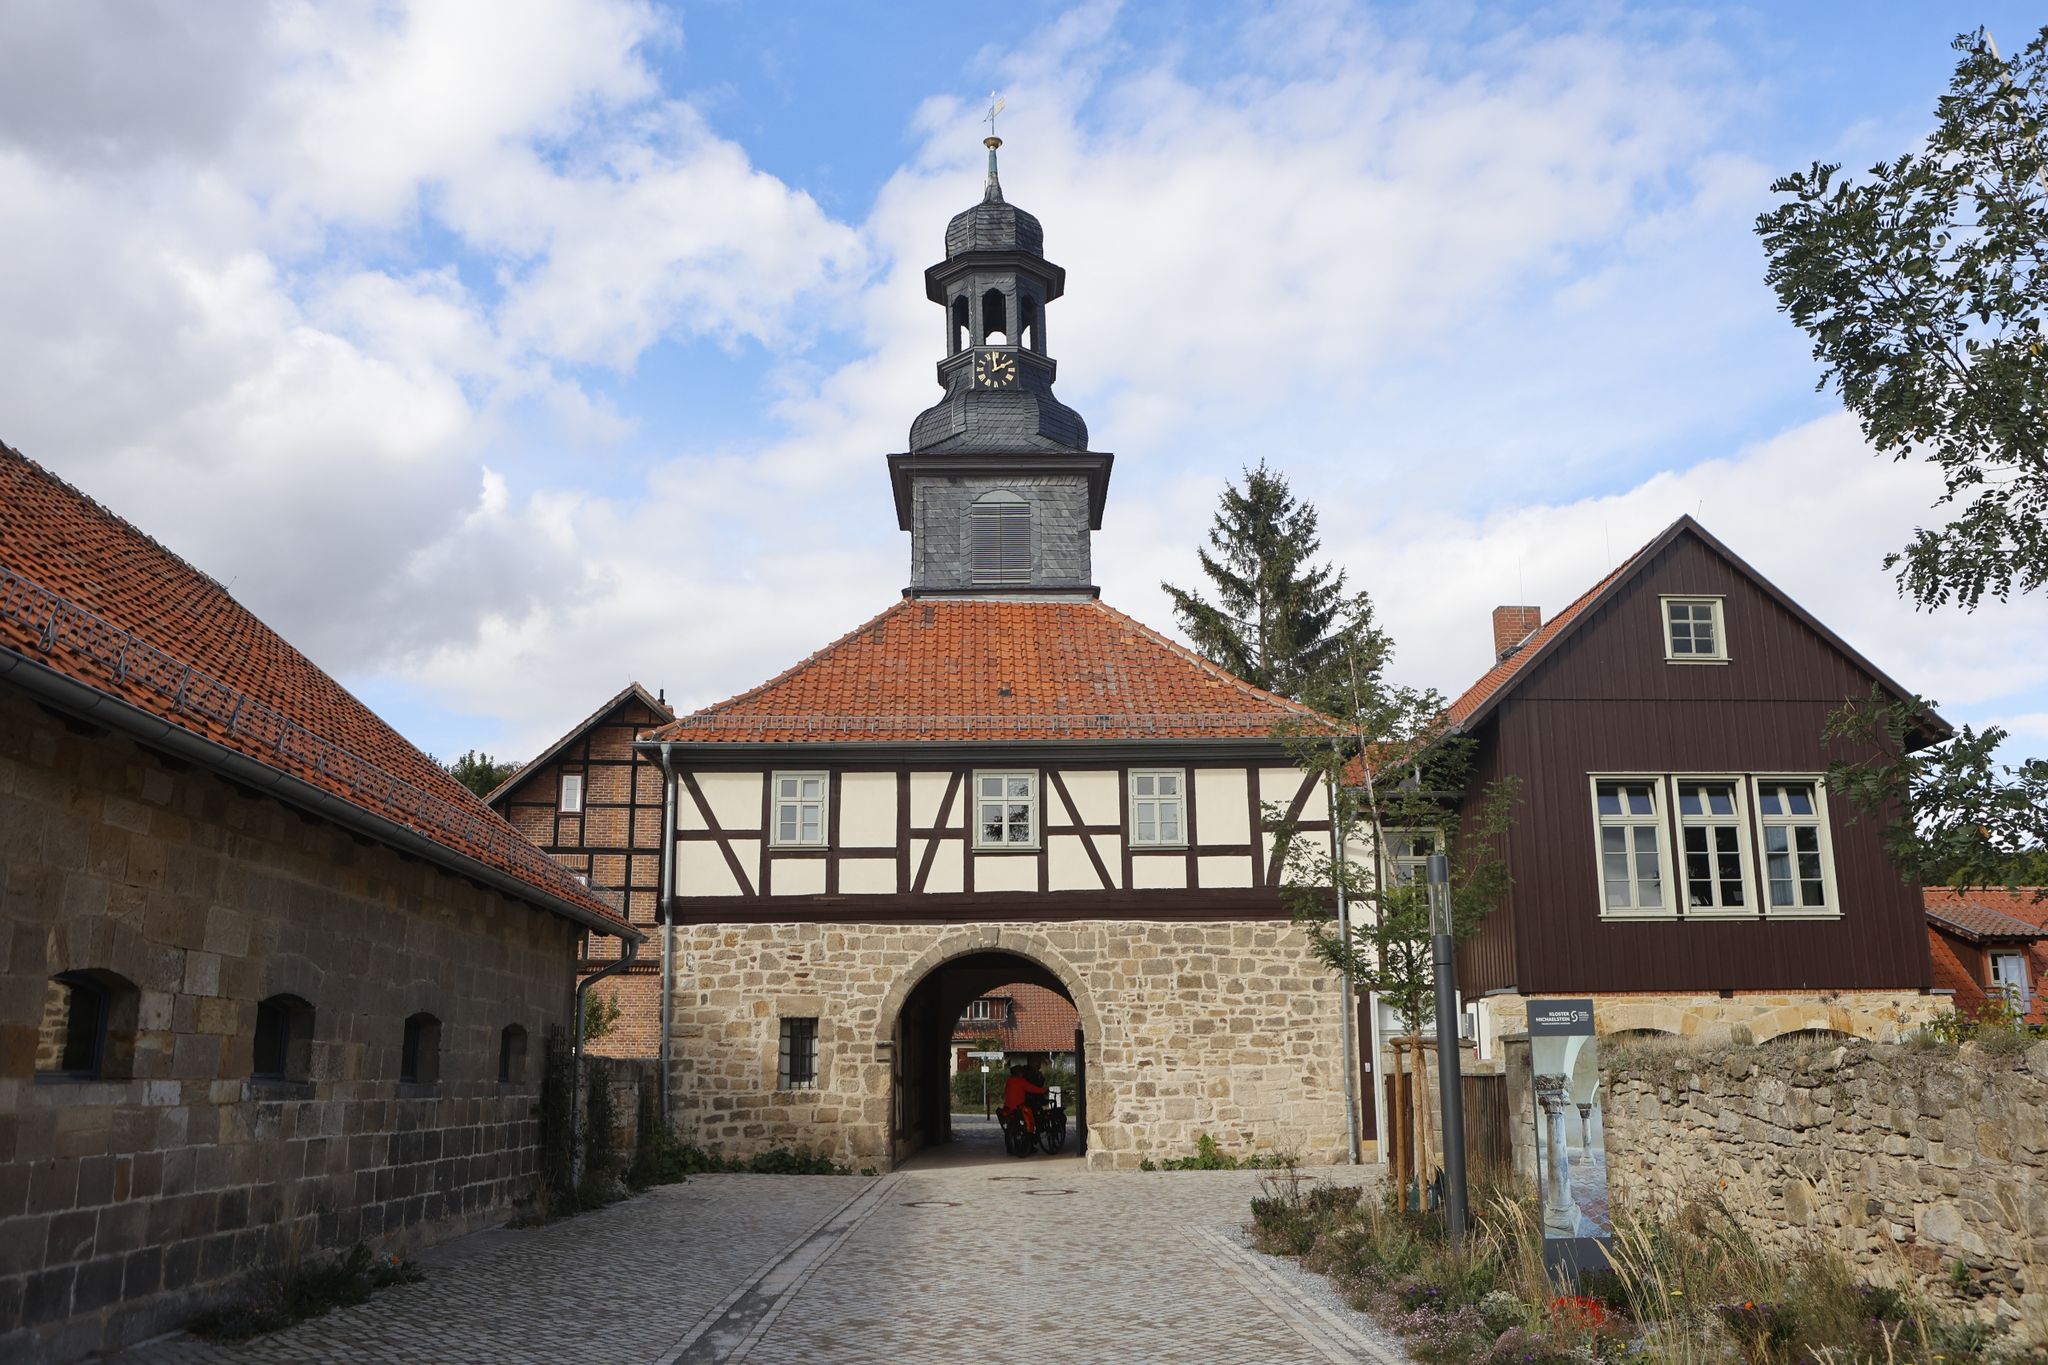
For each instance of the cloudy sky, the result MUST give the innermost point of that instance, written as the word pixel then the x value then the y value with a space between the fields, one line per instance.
pixel 499 353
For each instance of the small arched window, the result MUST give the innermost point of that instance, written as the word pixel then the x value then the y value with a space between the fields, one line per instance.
pixel 999 538
pixel 419 1060
pixel 960 324
pixel 284 1040
pixel 512 1055
pixel 87 1030
pixel 1027 323
pixel 995 324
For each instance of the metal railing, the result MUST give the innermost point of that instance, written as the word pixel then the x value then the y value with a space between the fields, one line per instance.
pixel 263 731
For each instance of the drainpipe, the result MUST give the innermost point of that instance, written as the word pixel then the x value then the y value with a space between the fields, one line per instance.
pixel 662 920
pixel 629 950
pixel 1345 1002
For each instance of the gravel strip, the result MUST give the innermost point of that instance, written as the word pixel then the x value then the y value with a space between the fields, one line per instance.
pixel 1318 1289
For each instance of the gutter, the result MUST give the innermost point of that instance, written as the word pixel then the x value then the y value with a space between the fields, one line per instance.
pixel 663 918
pixel 630 949
pixel 46 684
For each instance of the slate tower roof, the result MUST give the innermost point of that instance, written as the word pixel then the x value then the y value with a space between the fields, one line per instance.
pixel 998 488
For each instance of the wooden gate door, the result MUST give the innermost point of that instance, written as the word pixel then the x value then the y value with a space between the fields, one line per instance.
pixel 1080 1100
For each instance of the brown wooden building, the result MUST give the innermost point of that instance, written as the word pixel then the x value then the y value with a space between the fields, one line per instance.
pixel 1676 850
pixel 596 807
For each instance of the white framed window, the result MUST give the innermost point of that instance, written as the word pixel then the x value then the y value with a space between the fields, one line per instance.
pixel 799 810
pixel 1798 863
pixel 1407 856
pixel 572 793
pixel 1693 631
pixel 2009 978
pixel 1006 810
pixel 1713 846
pixel 1628 818
pixel 980 1011
pixel 1159 808
pixel 796 1058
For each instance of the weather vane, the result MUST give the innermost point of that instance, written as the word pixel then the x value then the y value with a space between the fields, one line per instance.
pixel 995 106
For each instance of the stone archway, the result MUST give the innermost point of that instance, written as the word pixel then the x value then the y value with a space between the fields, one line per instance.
pixel 919 1013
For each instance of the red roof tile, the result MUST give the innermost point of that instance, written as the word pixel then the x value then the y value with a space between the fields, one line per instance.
pixel 929 670
pixel 1042 1021
pixel 86 594
pixel 1986 913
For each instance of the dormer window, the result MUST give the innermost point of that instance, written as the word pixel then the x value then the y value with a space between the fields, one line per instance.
pixel 999 538
pixel 1693 632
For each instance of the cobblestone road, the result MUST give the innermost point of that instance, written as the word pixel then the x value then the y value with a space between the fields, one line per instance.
pixel 794 1270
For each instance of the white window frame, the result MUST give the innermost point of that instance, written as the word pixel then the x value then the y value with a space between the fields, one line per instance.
pixel 2023 1002
pixel 1660 817
pixel 1825 839
pixel 1398 854
pixel 1744 845
pixel 1178 801
pixel 1030 800
pixel 571 800
pixel 777 801
pixel 1719 624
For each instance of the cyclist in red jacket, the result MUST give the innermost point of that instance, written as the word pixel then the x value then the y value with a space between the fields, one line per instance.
pixel 1018 1093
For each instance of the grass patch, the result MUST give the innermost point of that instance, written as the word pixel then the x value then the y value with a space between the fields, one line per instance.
pixel 302 1290
pixel 1697 1290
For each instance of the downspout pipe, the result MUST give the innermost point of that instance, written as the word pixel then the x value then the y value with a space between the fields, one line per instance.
pixel 1346 1007
pixel 662 920
pixel 629 950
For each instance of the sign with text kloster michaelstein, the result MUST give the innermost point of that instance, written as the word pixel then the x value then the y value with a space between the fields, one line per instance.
pixel 1571 1145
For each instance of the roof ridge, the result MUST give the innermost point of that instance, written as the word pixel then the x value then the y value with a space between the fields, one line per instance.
pixel 1207 664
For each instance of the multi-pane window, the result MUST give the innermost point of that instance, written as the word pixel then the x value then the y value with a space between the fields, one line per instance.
pixel 2009 978
pixel 572 793
pixel 1158 808
pixel 1006 810
pixel 1692 630
pixel 1408 853
pixel 1710 832
pixel 1631 846
pixel 981 1011
pixel 799 809
pixel 1793 821
pixel 796 1061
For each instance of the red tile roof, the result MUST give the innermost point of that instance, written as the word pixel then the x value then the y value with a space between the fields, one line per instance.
pixel 930 670
pixel 87 595
pixel 1042 1021
pixel 1982 914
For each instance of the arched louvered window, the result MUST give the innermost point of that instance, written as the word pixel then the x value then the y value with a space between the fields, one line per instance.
pixel 999 538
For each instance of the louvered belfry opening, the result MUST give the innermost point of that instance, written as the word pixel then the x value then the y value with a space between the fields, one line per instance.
pixel 999 539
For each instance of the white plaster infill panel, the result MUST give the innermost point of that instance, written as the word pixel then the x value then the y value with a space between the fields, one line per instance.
pixel 1068 866
pixel 947 873
pixel 1159 871
pixel 1221 813
pixel 867 876
pixel 1096 798
pixel 927 790
pixel 1006 872
pixel 1224 872
pixel 867 810
pixel 734 798
pixel 798 876
pixel 701 870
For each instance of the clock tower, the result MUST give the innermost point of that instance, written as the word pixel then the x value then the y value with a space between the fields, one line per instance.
pixel 998 490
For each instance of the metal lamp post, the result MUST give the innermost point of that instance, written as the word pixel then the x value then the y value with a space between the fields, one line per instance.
pixel 1449 1081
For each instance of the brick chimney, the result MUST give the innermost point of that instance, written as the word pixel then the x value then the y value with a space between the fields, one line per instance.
pixel 1511 626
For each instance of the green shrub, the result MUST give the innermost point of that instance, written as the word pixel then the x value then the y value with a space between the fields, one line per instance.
pixel 1209 1157
pixel 657 1155
pixel 304 1290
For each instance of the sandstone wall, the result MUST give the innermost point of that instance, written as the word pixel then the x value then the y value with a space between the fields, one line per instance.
pixel 126 1200
pixel 1229 1029
pixel 1905 1160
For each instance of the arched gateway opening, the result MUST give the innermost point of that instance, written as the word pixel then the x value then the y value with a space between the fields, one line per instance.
pixel 929 1029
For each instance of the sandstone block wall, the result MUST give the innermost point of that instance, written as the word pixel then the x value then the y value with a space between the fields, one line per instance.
pixel 1229 1029
pixel 1744 1017
pixel 1905 1160
pixel 125 1201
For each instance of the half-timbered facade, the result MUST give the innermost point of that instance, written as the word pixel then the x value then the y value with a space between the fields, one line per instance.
pixel 999 778
pixel 595 806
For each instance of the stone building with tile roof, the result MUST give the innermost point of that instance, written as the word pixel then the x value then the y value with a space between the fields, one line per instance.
pixel 997 779
pixel 277 982
pixel 1990 940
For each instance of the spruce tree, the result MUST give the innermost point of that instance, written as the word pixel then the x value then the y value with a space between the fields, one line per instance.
pixel 1274 609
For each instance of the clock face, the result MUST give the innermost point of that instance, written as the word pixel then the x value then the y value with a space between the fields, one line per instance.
pixel 994 369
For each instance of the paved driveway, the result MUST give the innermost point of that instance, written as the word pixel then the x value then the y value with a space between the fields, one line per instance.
pixel 919 1266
